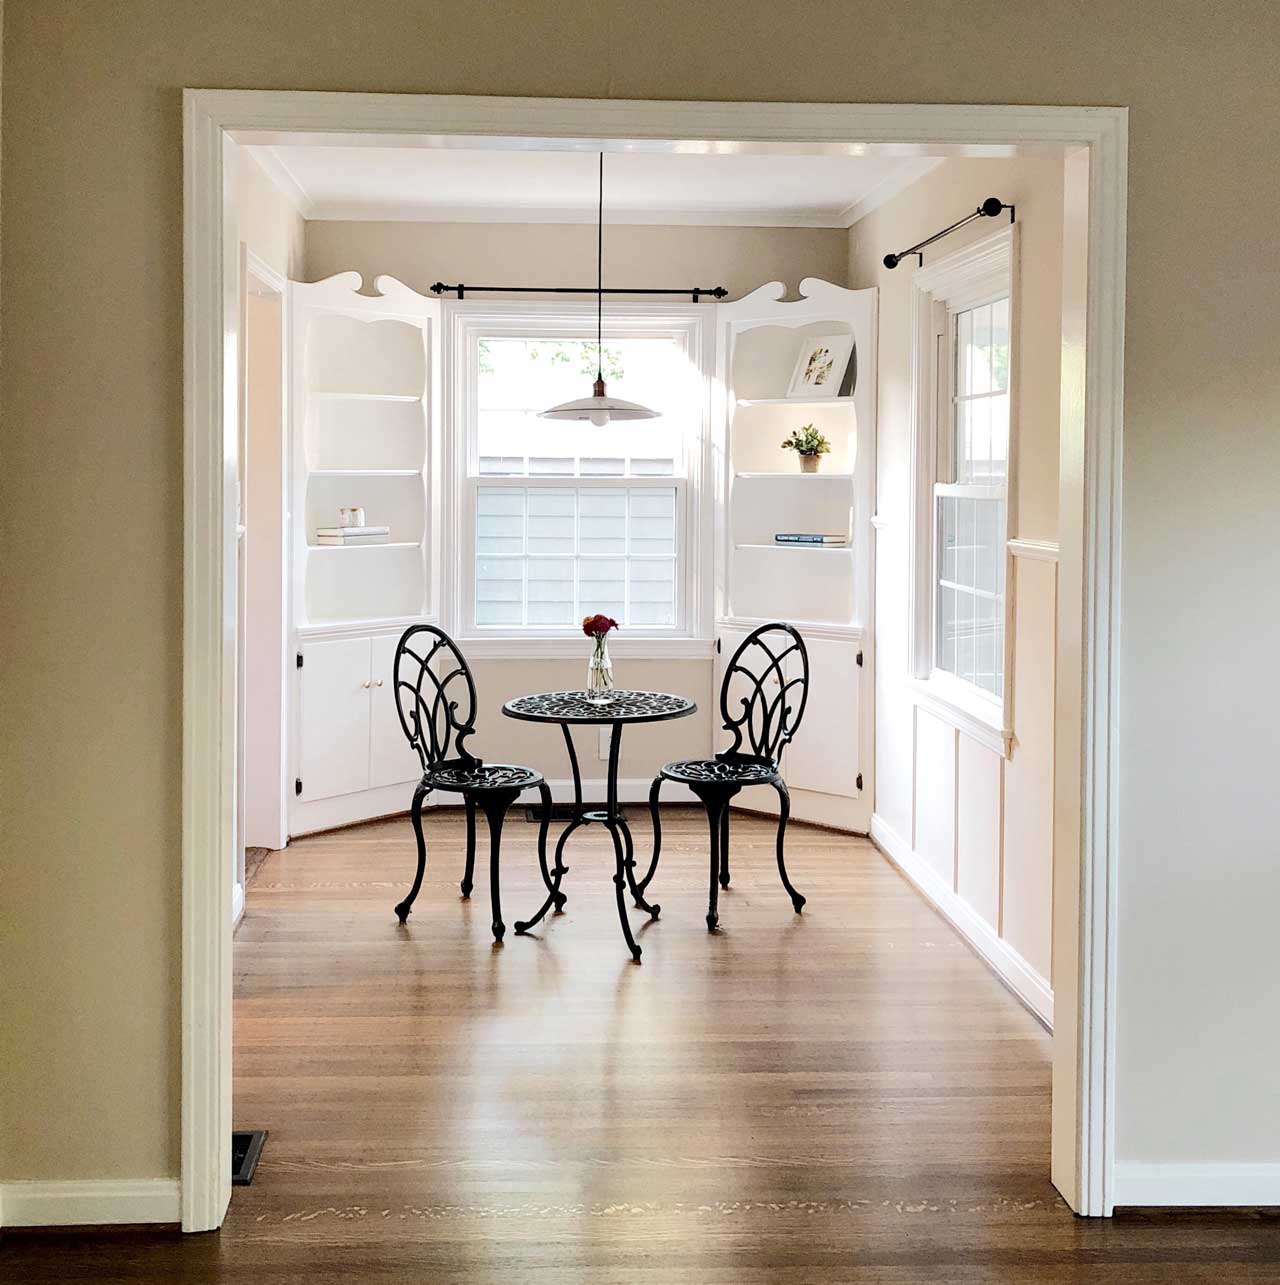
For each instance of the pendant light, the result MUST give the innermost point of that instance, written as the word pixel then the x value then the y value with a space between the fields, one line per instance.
pixel 599 408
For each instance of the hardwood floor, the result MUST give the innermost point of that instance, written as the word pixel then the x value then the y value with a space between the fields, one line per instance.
pixel 844 1095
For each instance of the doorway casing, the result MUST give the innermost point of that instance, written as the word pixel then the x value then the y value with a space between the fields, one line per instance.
pixel 1094 141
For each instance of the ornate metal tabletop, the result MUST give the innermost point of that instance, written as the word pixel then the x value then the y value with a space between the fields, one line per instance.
pixel 621 707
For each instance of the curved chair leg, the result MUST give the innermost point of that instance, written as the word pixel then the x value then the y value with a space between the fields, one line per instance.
pixel 550 877
pixel 715 806
pixel 654 790
pixel 415 815
pixel 495 804
pixel 467 884
pixel 784 811
pixel 724 847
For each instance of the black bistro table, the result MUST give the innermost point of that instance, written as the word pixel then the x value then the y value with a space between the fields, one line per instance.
pixel 578 708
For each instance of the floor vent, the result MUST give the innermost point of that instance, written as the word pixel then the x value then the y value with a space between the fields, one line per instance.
pixel 246 1150
pixel 564 811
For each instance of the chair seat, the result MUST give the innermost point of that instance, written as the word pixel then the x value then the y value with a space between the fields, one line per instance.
pixel 742 770
pixel 463 777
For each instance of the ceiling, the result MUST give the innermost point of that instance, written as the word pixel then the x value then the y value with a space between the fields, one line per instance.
pixel 489 186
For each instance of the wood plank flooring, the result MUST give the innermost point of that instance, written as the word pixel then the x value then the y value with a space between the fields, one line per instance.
pixel 845 1095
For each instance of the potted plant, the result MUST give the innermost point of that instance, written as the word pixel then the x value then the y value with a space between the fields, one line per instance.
pixel 809 445
pixel 599 668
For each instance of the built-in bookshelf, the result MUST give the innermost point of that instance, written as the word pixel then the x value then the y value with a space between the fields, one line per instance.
pixel 766 493
pixel 365 389
pixel 363 395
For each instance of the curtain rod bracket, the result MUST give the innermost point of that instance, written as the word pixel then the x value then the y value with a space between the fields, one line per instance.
pixel 989 209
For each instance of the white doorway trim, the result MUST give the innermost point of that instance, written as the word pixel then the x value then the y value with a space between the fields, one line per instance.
pixel 1085 1038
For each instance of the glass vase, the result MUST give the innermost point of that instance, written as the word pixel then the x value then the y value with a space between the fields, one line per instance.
pixel 600 673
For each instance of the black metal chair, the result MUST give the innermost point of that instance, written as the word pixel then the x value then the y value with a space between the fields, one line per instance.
pixel 770 712
pixel 436 701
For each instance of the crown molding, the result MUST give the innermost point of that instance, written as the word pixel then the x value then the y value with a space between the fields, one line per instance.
pixel 913 170
pixel 269 162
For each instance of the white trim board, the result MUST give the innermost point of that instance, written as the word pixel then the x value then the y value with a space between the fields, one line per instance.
pixel 1036 550
pixel 1023 980
pixel 83 1203
pixel 215 121
pixel 1148 1185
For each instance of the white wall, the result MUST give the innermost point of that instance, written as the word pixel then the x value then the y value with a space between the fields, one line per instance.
pixel 975 829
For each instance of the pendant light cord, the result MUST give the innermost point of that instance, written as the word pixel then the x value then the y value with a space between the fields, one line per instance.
pixel 600 276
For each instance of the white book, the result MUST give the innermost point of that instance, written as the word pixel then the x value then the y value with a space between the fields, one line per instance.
pixel 345 531
pixel 333 540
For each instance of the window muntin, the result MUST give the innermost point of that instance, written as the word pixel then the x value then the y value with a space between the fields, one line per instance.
pixel 567 518
pixel 971 496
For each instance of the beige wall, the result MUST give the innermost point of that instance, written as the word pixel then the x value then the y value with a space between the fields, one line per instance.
pixel 540 254
pixel 990 839
pixel 92 411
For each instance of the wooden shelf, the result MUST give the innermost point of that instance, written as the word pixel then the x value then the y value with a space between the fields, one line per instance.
pixel 385 544
pixel 808 477
pixel 367 397
pixel 795 401
pixel 808 548
pixel 365 472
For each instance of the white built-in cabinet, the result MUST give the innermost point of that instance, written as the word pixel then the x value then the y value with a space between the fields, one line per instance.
pixel 364 423
pixel 824 591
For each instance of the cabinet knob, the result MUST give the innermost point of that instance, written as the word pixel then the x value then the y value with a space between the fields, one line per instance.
pixel 365 683
pixel 378 682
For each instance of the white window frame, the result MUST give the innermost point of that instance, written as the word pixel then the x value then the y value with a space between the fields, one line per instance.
pixel 977 274
pixel 465 325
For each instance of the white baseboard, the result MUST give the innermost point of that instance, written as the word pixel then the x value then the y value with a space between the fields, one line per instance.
pixel 237 904
pixel 1185 1185
pixel 84 1203
pixel 1005 962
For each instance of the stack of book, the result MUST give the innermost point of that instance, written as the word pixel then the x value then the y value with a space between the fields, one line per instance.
pixel 807 537
pixel 353 534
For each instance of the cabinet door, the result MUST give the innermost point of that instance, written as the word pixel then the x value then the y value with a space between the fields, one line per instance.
pixel 334 723
pixel 391 761
pixel 824 754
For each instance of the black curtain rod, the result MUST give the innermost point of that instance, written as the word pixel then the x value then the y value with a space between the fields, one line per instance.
pixel 697 292
pixel 987 210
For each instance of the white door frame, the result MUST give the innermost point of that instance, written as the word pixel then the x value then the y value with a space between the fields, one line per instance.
pixel 1085 1040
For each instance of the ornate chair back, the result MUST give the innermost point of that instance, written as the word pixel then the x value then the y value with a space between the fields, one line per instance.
pixel 435 695
pixel 765 718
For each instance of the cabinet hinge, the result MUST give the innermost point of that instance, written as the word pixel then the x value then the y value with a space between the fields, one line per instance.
pixel 858 781
pixel 300 660
pixel 297 786
pixel 859 660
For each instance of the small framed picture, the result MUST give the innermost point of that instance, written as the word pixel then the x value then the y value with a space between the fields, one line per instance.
pixel 821 366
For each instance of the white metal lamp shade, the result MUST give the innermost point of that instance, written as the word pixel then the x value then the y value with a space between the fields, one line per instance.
pixel 599 408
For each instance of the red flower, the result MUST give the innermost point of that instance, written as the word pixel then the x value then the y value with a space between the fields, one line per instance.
pixel 597 626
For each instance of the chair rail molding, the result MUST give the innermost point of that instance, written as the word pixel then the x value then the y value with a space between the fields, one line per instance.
pixel 216 122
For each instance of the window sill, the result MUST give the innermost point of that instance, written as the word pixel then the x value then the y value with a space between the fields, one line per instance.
pixel 980 719
pixel 526 647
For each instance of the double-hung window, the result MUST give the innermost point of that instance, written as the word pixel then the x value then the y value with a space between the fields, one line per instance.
pixel 964 356
pixel 971 495
pixel 567 519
